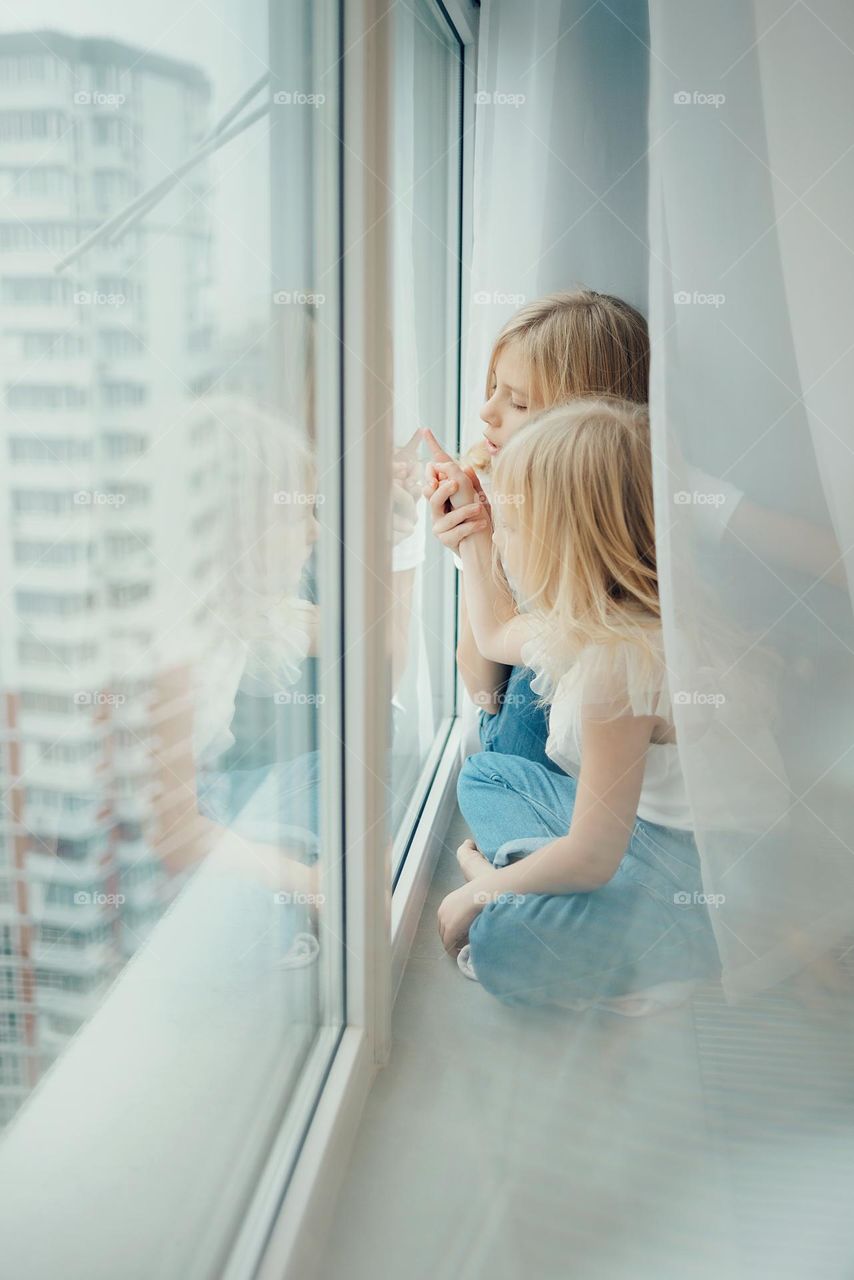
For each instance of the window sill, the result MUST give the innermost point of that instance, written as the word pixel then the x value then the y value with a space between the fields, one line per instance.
pixel 156 1122
pixel 410 891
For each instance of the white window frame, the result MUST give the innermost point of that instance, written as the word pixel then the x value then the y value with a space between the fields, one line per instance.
pixel 387 927
pixel 278 1233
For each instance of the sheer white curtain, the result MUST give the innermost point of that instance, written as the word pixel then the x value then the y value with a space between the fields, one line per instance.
pixel 559 186
pixel 707 152
pixel 559 195
pixel 751 174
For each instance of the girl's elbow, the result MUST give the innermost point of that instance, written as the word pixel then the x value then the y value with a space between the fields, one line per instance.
pixel 585 871
pixel 601 872
pixel 492 649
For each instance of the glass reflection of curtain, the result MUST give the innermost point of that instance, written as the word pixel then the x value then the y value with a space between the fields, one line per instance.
pixel 412 713
pixel 751 206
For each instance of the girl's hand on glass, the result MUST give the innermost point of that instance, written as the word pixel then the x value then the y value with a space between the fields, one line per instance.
pixel 444 467
pixel 452 524
pixel 458 503
pixel 465 489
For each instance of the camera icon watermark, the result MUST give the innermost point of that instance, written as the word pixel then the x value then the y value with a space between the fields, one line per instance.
pixel 685 298
pixel 497 98
pixel 697 498
pixel 695 98
pixel 98 698
pixel 87 298
pixel 483 699
pixel 298 298
pixel 83 898
pixel 296 698
pixel 698 899
pixel 496 298
pixel 698 698
pixel 298 98
pixel 95 98
pixel 294 498
pixel 96 498
pixel 291 898
pixel 500 899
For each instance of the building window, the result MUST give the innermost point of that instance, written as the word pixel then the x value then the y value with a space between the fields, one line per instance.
pixel 18 67
pixel 8 1027
pixel 123 393
pixel 124 444
pixel 42 501
pixel 50 450
pixel 57 653
pixel 109 131
pixel 40 398
pixel 53 553
pixel 57 704
pixel 116 344
pixel 32 126
pixel 37 236
pixel 36 291
pixel 58 604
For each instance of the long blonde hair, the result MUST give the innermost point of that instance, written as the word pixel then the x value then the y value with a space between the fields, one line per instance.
pixel 579 478
pixel 575 343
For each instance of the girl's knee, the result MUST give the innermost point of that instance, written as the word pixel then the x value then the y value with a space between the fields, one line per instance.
pixel 477 771
pixel 492 956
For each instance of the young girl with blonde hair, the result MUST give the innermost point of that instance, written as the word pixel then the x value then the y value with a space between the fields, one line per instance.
pixel 583 886
pixel 564 345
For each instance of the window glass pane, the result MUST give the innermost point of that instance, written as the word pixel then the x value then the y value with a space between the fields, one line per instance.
pixel 168 426
pixel 426 66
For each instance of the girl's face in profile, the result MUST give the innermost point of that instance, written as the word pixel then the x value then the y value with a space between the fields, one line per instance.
pixel 509 405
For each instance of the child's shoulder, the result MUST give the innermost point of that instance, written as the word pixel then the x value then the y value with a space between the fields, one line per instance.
pixel 625 674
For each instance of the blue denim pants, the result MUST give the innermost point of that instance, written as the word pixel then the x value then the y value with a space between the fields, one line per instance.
pixel 274 804
pixel 520 727
pixel 649 924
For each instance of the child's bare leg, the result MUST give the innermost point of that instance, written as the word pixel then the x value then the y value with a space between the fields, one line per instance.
pixel 472 862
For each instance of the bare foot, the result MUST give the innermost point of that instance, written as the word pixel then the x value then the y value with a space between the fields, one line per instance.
pixel 472 862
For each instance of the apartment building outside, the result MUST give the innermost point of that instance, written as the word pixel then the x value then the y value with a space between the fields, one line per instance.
pixel 103 558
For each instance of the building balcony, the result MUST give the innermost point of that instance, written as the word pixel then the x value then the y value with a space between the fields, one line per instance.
pixel 53 629
pixel 131 853
pixel 52 824
pixel 41 575
pixel 54 676
pixel 135 758
pixel 94 908
pixel 90 960
pixel 71 1004
pixel 56 775
pixel 135 806
pixel 55 1032
pixel 51 725
pixel 85 874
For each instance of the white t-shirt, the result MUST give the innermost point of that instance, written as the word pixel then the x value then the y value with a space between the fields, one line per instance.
pixel 615 679
pixel 662 769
